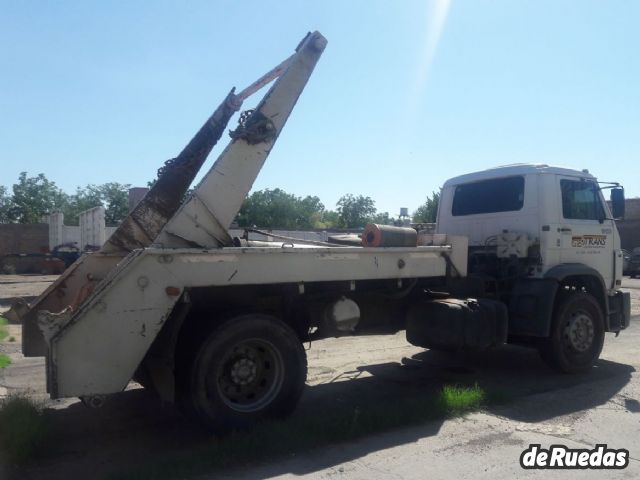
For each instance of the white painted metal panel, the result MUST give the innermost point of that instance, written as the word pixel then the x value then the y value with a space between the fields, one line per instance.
pixel 480 227
pixel 98 351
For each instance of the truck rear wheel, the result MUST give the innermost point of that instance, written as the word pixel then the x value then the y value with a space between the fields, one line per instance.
pixel 577 334
pixel 249 368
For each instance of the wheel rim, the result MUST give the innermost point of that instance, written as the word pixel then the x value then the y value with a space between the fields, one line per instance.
pixel 250 375
pixel 579 332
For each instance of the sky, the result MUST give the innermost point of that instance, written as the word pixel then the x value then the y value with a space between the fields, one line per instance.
pixel 406 94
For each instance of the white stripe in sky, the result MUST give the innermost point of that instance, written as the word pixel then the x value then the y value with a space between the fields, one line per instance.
pixel 436 18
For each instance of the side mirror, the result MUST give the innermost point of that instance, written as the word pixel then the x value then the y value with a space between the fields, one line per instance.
pixel 617 203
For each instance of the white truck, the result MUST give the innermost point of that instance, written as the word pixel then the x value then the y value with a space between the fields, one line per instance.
pixel 523 253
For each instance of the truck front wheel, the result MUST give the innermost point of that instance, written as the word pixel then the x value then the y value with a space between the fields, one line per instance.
pixel 577 334
pixel 249 368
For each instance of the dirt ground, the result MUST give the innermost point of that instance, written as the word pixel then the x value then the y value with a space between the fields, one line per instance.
pixel 133 429
pixel 26 286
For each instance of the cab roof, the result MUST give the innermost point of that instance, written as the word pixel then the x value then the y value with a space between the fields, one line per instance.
pixel 517 169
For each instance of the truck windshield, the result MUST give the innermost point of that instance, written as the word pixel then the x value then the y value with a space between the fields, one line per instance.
pixel 489 196
pixel 580 200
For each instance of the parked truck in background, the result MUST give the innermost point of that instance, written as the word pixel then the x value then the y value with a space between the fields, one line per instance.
pixel 522 254
pixel 633 267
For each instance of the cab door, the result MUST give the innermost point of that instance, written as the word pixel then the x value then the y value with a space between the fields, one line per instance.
pixel 586 229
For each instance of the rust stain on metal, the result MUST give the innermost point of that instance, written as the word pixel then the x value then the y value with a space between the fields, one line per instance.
pixel 172 291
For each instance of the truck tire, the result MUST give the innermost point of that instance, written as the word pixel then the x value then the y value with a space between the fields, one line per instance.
pixel 249 368
pixel 577 334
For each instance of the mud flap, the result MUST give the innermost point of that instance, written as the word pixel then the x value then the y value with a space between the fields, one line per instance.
pixel 619 311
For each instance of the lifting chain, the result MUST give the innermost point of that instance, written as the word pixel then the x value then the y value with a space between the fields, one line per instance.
pixel 254 127
pixel 174 165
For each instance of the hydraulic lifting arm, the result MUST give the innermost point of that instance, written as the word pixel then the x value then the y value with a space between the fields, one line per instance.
pixel 203 219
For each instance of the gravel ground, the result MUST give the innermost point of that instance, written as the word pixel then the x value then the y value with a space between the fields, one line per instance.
pixel 348 373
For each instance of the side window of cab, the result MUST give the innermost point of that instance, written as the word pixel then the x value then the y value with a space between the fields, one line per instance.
pixel 494 195
pixel 581 200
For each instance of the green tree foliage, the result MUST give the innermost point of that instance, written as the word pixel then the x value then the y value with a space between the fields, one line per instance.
pixel 330 219
pixel 114 197
pixel 36 197
pixel 83 199
pixel 428 211
pixel 311 212
pixel 355 211
pixel 279 209
pixel 33 198
pixel 383 218
pixel 5 203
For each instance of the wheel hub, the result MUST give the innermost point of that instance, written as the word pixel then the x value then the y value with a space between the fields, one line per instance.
pixel 580 332
pixel 243 371
pixel 250 376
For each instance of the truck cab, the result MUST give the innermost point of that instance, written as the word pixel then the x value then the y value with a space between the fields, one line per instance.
pixel 561 210
pixel 538 234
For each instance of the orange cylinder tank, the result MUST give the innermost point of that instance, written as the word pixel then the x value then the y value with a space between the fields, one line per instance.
pixel 375 235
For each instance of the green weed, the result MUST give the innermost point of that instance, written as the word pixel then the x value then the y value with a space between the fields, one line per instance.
pixel 22 428
pixel 4 331
pixel 277 439
pixel 5 361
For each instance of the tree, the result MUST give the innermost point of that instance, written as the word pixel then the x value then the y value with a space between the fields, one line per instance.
pixel 5 205
pixel 428 211
pixel 383 218
pixel 268 208
pixel 311 212
pixel 279 209
pixel 113 196
pixel 34 198
pixel 83 199
pixel 116 201
pixel 330 219
pixel 355 212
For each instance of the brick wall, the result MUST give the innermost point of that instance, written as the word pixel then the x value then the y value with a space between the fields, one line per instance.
pixel 629 228
pixel 632 208
pixel 629 233
pixel 24 238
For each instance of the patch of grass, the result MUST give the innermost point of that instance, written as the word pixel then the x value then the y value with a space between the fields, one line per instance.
pixel 277 439
pixel 4 332
pixel 12 339
pixel 5 361
pixel 458 400
pixel 23 428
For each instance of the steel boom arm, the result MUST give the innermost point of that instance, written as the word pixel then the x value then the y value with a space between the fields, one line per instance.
pixel 203 219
